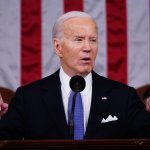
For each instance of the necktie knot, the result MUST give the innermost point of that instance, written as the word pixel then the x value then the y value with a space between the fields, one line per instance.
pixel 75 115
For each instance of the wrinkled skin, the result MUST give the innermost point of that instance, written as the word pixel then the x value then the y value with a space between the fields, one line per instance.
pixel 78 47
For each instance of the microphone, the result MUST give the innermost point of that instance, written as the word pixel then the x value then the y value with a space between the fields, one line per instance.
pixel 77 84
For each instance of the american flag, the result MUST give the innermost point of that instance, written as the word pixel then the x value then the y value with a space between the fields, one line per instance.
pixel 26 49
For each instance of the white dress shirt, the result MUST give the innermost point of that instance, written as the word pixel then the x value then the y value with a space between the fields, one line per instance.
pixel 85 94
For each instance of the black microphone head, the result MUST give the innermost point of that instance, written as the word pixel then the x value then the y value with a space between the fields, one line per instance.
pixel 77 83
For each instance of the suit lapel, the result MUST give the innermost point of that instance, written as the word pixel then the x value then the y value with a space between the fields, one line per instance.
pixel 99 104
pixel 54 104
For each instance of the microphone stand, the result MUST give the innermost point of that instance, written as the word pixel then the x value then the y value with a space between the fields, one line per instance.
pixel 77 84
pixel 71 120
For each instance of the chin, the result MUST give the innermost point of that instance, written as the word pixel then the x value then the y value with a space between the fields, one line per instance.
pixel 85 72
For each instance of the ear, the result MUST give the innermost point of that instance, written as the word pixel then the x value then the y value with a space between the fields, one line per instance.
pixel 57 46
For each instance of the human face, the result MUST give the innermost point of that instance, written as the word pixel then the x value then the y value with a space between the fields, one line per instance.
pixel 79 45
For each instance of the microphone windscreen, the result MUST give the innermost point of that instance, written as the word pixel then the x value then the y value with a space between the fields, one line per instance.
pixel 77 83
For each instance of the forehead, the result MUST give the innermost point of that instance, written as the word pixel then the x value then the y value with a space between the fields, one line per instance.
pixel 79 19
pixel 80 25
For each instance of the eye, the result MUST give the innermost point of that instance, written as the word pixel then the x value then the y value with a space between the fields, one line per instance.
pixel 93 40
pixel 78 39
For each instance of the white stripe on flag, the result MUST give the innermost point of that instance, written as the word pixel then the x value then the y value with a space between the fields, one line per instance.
pixel 138 42
pixel 10 43
pixel 51 10
pixel 99 14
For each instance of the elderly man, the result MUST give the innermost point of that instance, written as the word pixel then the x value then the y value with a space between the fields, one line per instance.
pixel 40 110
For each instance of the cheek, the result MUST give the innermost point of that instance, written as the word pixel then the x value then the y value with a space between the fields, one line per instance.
pixel 95 50
pixel 95 54
pixel 70 51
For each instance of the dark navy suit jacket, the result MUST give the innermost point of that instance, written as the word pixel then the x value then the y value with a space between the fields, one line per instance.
pixel 36 112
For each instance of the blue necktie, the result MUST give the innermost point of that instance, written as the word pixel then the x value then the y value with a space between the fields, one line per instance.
pixel 78 116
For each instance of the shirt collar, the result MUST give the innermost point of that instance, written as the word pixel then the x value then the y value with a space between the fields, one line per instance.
pixel 65 79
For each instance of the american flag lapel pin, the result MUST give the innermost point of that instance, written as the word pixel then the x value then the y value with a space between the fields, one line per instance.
pixel 104 98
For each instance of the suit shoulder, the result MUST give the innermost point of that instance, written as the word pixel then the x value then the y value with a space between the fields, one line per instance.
pixel 104 81
pixel 44 82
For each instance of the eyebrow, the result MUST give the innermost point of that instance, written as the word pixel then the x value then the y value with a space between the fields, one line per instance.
pixel 80 36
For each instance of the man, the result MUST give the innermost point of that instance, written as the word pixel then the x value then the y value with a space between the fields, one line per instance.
pixel 111 109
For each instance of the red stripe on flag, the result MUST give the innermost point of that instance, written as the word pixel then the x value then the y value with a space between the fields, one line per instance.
pixel 117 40
pixel 70 5
pixel 30 40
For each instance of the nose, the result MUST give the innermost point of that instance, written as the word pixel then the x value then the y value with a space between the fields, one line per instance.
pixel 87 46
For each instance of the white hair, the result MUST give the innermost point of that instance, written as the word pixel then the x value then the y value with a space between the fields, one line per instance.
pixel 58 26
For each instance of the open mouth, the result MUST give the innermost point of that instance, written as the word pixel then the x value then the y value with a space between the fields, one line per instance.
pixel 86 60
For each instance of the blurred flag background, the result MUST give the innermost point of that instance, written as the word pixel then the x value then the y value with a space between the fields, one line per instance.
pixel 26 49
